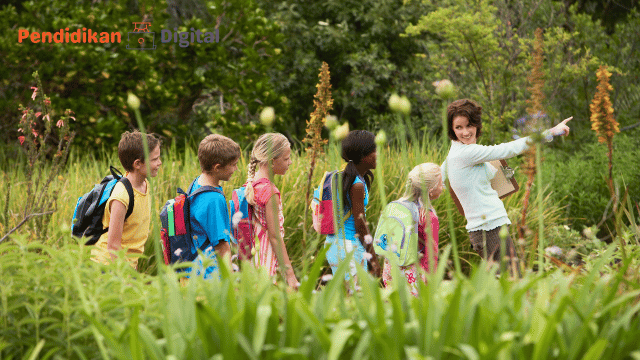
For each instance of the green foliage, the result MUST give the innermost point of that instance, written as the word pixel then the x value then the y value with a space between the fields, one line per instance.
pixel 184 91
pixel 483 48
pixel 587 197
pixel 368 56
pixel 98 311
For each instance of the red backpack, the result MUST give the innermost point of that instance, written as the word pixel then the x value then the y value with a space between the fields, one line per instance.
pixel 322 204
pixel 175 232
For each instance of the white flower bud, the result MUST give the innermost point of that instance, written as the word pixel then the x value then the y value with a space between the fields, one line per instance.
pixel 381 138
pixel 267 116
pixel 445 89
pixel 133 101
pixel 178 252
pixel 367 256
pixel 236 219
pixel 504 232
pixel 405 105
pixel 331 122
pixel 341 131
pixel 393 248
pixel 368 239
pixel 327 277
pixel 394 102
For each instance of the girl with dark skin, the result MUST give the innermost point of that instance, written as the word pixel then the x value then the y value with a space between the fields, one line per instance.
pixel 359 151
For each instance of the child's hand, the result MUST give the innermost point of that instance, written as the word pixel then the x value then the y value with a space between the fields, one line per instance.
pixel 292 281
pixel 376 269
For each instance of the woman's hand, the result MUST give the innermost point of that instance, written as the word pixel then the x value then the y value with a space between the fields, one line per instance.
pixel 561 129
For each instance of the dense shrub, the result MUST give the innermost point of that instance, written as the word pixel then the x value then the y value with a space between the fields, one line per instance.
pixel 577 178
pixel 184 91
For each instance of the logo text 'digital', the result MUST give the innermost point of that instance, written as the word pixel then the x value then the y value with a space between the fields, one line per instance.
pixel 83 35
pixel 185 38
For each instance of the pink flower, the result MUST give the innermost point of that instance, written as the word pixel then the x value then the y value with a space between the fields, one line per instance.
pixel 38 114
pixel 34 132
pixel 24 113
pixel 47 101
pixel 20 130
pixel 35 90
pixel 410 278
pixel 60 123
pixel 47 117
pixel 71 117
pixel 21 138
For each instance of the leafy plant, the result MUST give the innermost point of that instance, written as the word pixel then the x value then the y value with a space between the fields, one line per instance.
pixel 47 148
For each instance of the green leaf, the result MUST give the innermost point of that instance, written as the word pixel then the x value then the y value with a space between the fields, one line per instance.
pixel 596 350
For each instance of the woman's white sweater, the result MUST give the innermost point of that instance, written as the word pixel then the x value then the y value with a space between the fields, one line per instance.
pixel 470 174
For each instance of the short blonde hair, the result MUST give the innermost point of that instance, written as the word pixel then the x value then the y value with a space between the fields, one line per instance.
pixel 423 177
pixel 217 149
pixel 269 146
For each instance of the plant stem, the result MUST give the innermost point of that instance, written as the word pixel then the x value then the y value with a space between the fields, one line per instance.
pixel 540 210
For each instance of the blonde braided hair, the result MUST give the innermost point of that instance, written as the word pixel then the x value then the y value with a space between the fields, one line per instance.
pixel 269 146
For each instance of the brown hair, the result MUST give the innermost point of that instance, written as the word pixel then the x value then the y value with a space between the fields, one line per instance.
pixel 467 108
pixel 217 149
pixel 131 148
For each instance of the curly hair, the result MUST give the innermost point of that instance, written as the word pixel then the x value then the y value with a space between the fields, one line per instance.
pixel 467 108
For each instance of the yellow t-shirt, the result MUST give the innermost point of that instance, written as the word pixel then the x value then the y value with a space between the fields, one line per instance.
pixel 136 227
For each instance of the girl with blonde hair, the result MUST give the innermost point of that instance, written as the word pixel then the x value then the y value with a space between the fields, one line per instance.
pixel 271 154
pixel 424 184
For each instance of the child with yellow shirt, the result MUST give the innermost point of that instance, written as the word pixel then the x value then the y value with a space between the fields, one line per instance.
pixel 130 234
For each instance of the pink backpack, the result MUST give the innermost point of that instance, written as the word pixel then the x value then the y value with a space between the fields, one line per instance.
pixel 322 204
pixel 243 233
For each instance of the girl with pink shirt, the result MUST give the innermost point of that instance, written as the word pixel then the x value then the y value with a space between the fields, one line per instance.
pixel 271 155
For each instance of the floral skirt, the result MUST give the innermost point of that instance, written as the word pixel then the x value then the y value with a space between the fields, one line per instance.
pixel 410 274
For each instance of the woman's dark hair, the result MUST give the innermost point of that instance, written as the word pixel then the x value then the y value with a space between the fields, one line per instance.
pixel 467 108
pixel 357 145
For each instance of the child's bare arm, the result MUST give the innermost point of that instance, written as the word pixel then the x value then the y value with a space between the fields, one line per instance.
pixel 277 243
pixel 116 226
pixel 357 208
pixel 223 250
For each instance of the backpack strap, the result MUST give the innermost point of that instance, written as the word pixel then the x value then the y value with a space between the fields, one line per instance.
pixel 202 189
pixel 127 185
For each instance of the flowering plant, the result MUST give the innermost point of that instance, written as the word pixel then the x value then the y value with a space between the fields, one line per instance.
pixel 47 145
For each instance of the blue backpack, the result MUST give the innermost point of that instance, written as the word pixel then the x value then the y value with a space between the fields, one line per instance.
pixel 87 216
pixel 175 232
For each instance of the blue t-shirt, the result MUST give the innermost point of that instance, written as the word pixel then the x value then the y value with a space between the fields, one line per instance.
pixel 209 217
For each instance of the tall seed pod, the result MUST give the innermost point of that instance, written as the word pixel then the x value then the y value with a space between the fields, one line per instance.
pixel 322 103
pixel 535 109
pixel 602 120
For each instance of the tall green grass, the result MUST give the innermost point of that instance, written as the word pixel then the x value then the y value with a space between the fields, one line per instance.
pixel 55 304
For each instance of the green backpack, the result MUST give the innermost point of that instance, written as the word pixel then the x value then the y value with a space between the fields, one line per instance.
pixel 397 232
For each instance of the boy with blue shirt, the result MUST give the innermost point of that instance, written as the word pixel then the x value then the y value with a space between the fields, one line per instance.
pixel 218 156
